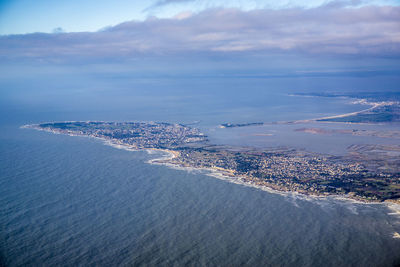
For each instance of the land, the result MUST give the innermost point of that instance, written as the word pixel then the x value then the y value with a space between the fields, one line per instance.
pixel 379 112
pixel 135 135
pixel 384 108
pixel 364 174
pixel 233 125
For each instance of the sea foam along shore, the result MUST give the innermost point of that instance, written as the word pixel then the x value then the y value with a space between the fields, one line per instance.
pixel 245 181
pixel 240 180
pixel 169 155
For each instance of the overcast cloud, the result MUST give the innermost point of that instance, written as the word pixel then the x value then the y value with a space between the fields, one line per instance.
pixel 335 30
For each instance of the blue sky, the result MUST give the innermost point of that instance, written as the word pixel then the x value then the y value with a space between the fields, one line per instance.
pixel 28 16
pixel 173 37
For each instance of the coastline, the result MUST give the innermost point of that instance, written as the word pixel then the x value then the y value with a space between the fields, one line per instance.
pixel 330 119
pixel 373 105
pixel 226 175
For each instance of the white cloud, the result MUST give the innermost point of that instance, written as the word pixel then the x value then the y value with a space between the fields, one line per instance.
pixel 332 30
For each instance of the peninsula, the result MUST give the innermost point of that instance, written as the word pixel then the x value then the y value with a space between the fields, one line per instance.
pixel 384 108
pixel 364 174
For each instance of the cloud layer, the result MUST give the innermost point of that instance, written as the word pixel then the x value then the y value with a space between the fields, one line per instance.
pixel 336 30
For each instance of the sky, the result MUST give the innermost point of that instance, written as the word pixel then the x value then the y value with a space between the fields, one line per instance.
pixel 166 35
pixel 28 16
pixel 55 52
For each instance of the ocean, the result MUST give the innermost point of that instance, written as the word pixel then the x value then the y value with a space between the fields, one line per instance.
pixel 72 201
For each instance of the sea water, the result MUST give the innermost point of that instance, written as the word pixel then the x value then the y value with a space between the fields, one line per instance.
pixel 75 201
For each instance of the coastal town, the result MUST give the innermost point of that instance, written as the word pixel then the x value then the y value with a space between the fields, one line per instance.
pixel 136 135
pixel 360 176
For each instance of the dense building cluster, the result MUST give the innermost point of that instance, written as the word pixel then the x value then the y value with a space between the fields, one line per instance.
pixel 287 170
pixel 134 134
pixel 293 171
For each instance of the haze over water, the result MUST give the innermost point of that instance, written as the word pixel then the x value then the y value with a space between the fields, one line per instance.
pixel 72 200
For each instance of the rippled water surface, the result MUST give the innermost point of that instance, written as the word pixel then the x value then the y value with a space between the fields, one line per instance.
pixel 75 201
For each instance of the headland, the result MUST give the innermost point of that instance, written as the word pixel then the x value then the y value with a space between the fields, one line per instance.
pixel 365 174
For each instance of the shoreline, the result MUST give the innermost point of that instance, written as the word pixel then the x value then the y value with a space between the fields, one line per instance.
pixel 224 174
pixel 227 175
pixel 373 105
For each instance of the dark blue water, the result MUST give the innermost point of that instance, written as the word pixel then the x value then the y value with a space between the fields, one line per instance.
pixel 74 201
